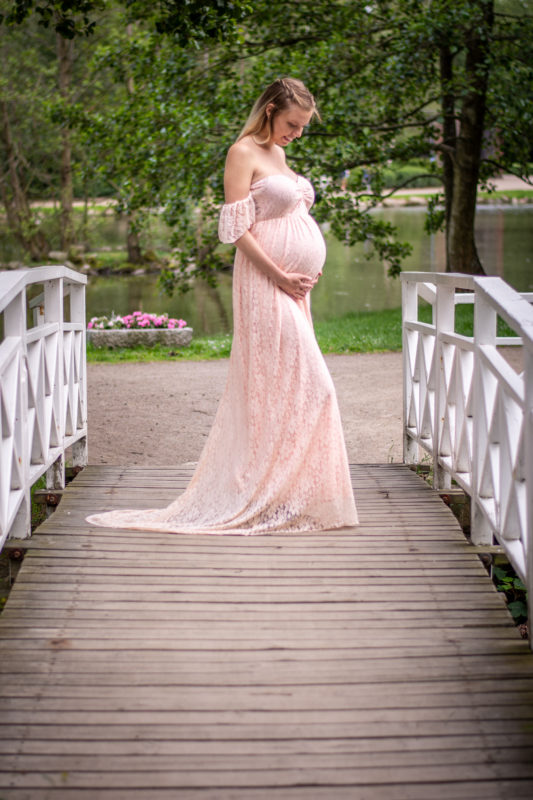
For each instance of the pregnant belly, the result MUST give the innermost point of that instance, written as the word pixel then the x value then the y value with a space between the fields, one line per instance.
pixel 294 243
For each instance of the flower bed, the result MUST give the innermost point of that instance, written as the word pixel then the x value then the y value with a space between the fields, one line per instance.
pixel 139 328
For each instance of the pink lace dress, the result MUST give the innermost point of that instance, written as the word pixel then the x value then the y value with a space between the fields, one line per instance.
pixel 275 459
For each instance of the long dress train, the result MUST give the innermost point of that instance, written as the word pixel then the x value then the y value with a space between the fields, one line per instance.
pixel 275 459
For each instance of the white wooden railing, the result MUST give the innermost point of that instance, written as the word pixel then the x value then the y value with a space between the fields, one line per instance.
pixel 43 387
pixel 467 408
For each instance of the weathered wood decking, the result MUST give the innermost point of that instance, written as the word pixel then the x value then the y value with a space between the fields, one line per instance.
pixel 375 664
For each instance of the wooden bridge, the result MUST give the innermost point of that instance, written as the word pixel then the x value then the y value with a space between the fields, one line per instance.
pixel 373 664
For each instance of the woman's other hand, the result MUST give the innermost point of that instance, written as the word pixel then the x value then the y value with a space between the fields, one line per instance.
pixel 297 285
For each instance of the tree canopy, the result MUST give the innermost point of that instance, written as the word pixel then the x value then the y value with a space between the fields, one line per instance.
pixel 167 85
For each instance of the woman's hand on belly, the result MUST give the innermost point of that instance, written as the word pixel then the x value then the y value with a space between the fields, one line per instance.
pixel 296 284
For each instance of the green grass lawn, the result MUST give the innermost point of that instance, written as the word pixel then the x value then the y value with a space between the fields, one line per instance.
pixel 498 193
pixel 365 332
pixel 361 332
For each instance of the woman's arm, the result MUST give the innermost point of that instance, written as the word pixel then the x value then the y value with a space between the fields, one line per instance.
pixel 238 177
pixel 293 283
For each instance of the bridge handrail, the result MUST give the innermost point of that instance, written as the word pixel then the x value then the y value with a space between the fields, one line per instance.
pixel 467 408
pixel 43 388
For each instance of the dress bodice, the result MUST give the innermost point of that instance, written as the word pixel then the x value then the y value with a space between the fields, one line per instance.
pixel 278 195
pixel 271 197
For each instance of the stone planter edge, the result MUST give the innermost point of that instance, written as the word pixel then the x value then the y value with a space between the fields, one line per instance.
pixel 130 337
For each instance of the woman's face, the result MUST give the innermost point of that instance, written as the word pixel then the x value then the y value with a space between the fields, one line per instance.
pixel 289 124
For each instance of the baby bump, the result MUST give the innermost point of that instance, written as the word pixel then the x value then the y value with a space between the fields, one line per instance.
pixel 294 243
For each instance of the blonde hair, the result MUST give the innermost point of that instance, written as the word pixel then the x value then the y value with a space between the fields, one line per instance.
pixel 281 94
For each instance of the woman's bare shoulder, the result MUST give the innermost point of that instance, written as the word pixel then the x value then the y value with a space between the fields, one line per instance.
pixel 240 165
pixel 242 150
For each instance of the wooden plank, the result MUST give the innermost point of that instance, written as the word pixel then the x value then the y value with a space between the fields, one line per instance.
pixel 288 747
pixel 348 699
pixel 308 631
pixel 207 778
pixel 237 762
pixel 481 790
pixel 379 660
pixel 231 732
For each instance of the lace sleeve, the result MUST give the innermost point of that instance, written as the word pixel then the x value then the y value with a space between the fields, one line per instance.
pixel 235 219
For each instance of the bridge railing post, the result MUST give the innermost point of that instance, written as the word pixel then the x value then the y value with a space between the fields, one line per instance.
pixel 54 313
pixel 485 320
pixel 77 317
pixel 409 313
pixel 15 423
pixel 444 321
pixel 466 405
pixel 43 392
pixel 528 474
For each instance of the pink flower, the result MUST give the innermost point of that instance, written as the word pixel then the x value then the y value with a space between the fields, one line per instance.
pixel 137 319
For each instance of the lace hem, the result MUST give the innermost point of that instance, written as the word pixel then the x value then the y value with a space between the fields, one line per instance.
pixel 235 219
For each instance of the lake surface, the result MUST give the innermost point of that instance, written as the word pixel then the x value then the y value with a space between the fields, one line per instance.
pixel 350 281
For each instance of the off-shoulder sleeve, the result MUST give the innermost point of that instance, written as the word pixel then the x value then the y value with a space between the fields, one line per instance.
pixel 235 219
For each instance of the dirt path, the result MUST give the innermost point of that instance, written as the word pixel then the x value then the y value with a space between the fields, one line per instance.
pixel 161 413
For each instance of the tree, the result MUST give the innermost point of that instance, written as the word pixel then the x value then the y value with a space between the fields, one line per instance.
pixel 445 84
pixel 153 143
pixel 442 82
pixel 26 139
pixel 118 127
pixel 49 107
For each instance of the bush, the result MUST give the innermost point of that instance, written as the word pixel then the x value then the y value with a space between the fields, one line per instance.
pixel 397 173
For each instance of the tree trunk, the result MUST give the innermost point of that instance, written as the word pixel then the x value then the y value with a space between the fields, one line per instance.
pixel 18 211
pixel 133 243
pixel 133 240
pixel 65 57
pixel 448 133
pixel 462 251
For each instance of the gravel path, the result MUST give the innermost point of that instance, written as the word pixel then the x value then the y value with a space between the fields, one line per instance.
pixel 161 413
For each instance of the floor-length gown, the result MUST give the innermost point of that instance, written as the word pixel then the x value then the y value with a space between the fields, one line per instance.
pixel 275 459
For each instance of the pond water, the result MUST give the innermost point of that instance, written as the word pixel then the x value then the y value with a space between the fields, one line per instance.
pixel 350 281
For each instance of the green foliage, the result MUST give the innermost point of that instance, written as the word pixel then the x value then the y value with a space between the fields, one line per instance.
pixel 357 332
pixel 507 581
pixel 200 349
pixel 69 18
pixel 38 510
pixel 364 332
pixel 164 88
pixel 436 214
pixel 416 173
pixel 195 22
pixel 464 320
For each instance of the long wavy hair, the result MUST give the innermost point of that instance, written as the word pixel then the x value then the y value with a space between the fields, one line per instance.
pixel 282 93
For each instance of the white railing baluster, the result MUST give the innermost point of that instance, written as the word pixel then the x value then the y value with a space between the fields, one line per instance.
pixel 482 411
pixel 35 386
pixel 485 319
pixel 77 317
pixel 54 311
pixel 15 467
pixel 528 469
pixel 444 317
pixel 409 311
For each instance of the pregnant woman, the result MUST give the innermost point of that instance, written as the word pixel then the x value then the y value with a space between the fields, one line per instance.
pixel 275 459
